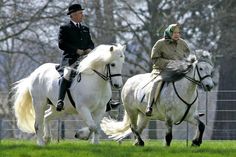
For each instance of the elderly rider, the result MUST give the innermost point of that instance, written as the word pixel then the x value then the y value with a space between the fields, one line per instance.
pixel 170 47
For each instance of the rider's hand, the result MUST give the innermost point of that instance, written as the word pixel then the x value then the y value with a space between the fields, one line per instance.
pixel 87 51
pixel 80 52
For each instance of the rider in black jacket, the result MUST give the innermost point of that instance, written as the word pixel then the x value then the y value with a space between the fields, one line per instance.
pixel 75 41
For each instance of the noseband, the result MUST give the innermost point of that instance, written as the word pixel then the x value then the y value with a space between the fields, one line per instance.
pixel 108 75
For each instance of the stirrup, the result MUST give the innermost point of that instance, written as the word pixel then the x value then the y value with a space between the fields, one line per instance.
pixel 148 112
pixel 114 104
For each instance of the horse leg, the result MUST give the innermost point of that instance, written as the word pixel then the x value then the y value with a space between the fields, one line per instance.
pixel 197 140
pixel 168 136
pixel 40 108
pixel 97 116
pixel 86 132
pixel 133 119
pixel 50 114
pixel 141 125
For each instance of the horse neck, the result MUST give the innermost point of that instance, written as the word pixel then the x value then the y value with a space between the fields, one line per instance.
pixel 185 86
pixel 103 71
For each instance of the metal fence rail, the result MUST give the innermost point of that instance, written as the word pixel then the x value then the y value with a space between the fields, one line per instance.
pixel 65 128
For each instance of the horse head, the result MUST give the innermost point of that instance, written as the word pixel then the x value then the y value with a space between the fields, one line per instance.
pixel 107 61
pixel 115 64
pixel 204 68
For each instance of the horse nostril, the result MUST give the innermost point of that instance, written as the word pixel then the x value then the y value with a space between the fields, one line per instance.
pixel 208 87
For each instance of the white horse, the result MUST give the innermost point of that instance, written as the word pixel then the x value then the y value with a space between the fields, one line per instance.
pixel 90 91
pixel 177 102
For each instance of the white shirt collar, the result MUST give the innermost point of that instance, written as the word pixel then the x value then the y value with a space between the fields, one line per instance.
pixel 75 23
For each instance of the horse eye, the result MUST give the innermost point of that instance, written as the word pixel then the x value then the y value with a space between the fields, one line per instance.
pixel 112 64
pixel 200 69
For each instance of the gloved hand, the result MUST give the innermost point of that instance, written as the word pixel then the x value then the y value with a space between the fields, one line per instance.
pixel 80 52
pixel 87 51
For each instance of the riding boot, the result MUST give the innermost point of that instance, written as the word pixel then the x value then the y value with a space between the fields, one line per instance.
pixel 62 92
pixel 148 111
pixel 112 105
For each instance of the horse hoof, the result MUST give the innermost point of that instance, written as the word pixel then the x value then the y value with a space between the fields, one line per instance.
pixel 83 134
pixel 47 140
pixel 77 135
pixel 41 143
pixel 196 143
pixel 139 143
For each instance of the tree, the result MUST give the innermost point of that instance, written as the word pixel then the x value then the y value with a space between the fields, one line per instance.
pixel 26 41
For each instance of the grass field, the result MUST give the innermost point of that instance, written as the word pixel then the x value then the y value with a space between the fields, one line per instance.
pixel 153 148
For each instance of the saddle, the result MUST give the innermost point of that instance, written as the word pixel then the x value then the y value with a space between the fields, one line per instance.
pixel 73 74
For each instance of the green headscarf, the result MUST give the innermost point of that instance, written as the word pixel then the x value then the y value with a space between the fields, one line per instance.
pixel 169 31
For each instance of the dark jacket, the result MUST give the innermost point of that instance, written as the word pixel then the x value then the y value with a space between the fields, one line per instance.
pixel 72 38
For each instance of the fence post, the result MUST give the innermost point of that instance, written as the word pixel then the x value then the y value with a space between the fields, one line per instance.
pixel 62 130
pixel 58 130
pixel 1 130
pixel 206 107
pixel 187 131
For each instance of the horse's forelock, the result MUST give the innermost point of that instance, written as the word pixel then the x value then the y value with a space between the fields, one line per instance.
pixel 191 58
pixel 118 52
pixel 204 56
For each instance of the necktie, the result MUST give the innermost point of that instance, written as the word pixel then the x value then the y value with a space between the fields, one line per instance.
pixel 77 25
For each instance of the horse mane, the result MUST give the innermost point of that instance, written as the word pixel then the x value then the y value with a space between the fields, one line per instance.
pixel 176 69
pixel 102 54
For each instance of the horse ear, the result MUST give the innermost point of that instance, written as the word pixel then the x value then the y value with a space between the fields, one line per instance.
pixel 111 48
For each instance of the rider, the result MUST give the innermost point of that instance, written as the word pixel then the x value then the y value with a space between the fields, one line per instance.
pixel 75 41
pixel 170 47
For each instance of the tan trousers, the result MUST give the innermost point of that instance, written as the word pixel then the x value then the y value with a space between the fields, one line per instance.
pixel 154 92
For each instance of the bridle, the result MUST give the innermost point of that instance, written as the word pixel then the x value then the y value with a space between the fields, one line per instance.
pixel 107 76
pixel 197 82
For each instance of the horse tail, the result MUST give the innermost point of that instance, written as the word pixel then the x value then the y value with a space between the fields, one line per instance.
pixel 23 107
pixel 116 130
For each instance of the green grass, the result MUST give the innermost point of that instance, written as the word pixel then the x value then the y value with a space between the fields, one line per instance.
pixel 153 148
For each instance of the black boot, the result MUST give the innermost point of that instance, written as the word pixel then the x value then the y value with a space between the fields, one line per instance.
pixel 112 105
pixel 148 111
pixel 64 85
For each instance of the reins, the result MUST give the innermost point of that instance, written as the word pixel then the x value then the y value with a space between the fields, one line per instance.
pixel 105 77
pixel 197 82
pixel 185 102
pixel 108 75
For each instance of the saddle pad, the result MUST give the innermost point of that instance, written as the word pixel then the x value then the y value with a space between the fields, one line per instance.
pixel 144 88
